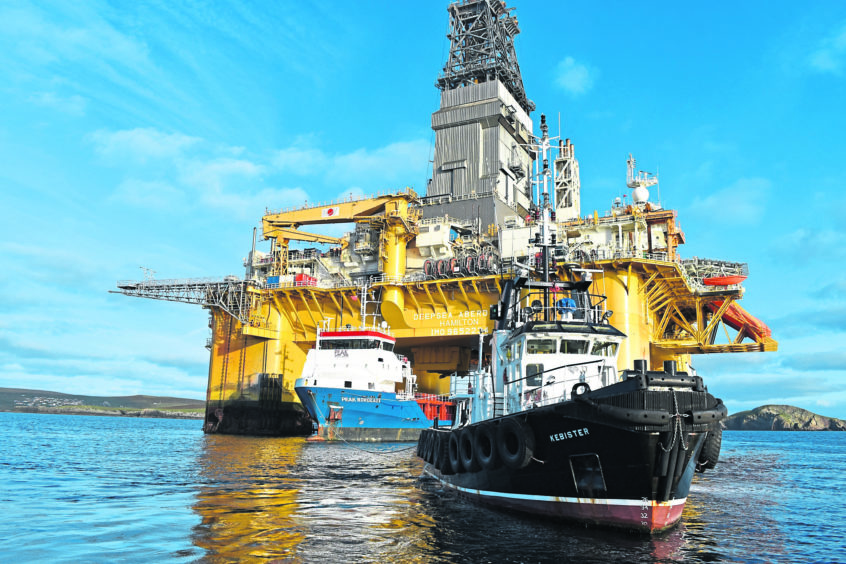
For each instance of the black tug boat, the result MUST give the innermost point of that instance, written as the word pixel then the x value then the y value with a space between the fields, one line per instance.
pixel 550 427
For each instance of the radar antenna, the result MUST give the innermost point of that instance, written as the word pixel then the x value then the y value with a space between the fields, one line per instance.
pixel 639 178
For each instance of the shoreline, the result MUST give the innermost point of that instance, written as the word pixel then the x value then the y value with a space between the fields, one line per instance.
pixel 116 412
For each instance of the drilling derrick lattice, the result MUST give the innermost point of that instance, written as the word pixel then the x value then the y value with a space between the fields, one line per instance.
pixel 481 38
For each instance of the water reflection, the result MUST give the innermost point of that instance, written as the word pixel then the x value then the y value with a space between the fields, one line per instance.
pixel 248 498
pixel 265 499
pixel 288 500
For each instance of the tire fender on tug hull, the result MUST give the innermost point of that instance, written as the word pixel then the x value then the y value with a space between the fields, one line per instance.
pixel 485 446
pixel 710 453
pixel 515 443
pixel 467 451
pixel 428 446
pixel 454 458
pixel 441 461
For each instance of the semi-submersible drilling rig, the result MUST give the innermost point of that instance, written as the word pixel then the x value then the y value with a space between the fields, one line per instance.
pixel 430 267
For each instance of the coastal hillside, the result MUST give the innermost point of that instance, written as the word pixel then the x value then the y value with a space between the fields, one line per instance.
pixel 42 401
pixel 782 418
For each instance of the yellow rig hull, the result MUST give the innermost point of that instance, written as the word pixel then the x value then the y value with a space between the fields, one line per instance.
pixel 253 367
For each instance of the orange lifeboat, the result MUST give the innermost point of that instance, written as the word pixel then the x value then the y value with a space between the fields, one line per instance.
pixel 723 280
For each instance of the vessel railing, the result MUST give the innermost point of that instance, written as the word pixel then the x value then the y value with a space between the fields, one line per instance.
pixel 412 278
pixel 445 220
pixel 322 284
pixel 339 201
pixel 152 283
pixel 692 270
pixel 355 328
pixel 445 398
pixel 528 309
pixel 535 398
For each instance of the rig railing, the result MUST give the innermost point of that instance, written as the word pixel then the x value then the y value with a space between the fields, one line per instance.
pixel 227 293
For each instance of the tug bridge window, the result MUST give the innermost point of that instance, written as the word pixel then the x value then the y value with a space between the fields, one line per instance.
pixel 540 346
pixel 574 347
pixel 604 348
pixel 534 375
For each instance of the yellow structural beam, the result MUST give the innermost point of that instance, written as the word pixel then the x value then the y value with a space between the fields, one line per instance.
pixel 681 321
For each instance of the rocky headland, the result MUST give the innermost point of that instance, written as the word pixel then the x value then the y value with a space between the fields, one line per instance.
pixel 781 418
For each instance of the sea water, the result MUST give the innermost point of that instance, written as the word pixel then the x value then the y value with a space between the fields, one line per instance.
pixel 110 489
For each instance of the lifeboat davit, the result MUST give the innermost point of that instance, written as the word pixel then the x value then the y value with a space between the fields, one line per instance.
pixel 723 280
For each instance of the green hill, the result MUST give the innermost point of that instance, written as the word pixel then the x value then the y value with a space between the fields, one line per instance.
pixel 17 399
pixel 782 418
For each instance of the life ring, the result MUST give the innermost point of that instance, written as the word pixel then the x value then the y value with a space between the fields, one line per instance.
pixel 454 459
pixel 580 389
pixel 485 447
pixel 710 453
pixel 515 443
pixel 467 451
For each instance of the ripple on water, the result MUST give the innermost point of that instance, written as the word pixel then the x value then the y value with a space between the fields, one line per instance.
pixel 102 489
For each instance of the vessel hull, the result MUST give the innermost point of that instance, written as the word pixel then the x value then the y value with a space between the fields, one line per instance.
pixel 647 516
pixel 587 463
pixel 256 417
pixel 362 415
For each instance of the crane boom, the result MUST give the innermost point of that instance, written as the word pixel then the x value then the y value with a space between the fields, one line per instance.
pixel 389 212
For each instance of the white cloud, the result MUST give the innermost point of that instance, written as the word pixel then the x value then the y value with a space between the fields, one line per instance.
pixel 93 39
pixel 250 206
pixel 141 144
pixel 394 163
pixel 81 376
pixel 72 105
pixel 575 78
pixel 351 193
pixel 149 194
pixel 830 56
pixel 743 201
pixel 170 169
pixel 803 245
pixel 385 168
pixel 211 175
pixel 299 161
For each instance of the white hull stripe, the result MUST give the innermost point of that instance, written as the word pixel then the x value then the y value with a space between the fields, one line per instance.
pixel 556 499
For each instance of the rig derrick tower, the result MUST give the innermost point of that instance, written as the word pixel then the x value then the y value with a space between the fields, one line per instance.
pixel 483 159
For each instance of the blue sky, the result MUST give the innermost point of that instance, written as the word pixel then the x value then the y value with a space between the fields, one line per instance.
pixel 156 134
